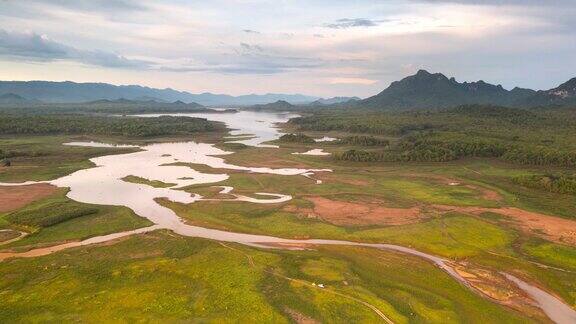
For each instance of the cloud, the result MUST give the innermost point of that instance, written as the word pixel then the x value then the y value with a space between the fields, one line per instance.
pixel 248 59
pixel 250 31
pixel 353 22
pixel 504 2
pixel 254 63
pixel 251 48
pixel 36 47
pixel 104 6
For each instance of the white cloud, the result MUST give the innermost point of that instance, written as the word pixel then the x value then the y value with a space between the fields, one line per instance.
pixel 303 45
pixel 35 47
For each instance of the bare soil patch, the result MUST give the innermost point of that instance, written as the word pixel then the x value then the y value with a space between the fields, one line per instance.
pixel 486 194
pixel 361 213
pixel 300 318
pixel 553 228
pixel 8 235
pixel 496 287
pixel 12 198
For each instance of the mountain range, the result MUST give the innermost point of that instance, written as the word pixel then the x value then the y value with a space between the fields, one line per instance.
pixel 422 90
pixel 72 92
pixel 425 90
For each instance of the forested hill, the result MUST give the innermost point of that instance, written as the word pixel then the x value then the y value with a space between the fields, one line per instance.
pixel 72 92
pixel 564 95
pixel 425 90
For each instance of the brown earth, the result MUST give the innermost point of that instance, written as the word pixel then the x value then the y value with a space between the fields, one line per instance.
pixel 349 213
pixel 12 198
pixel 300 318
pixel 553 228
pixel 486 194
pixel 496 287
pixel 8 235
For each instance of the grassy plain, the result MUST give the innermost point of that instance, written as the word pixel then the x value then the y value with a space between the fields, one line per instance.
pixel 57 218
pixel 162 277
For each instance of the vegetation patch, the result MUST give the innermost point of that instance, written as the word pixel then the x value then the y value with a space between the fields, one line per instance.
pixel 85 124
pixel 559 184
pixel 152 183
pixel 296 138
pixel 554 254
pixel 50 214
pixel 363 141
pixel 57 219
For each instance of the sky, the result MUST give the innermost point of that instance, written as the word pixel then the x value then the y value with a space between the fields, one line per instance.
pixel 318 47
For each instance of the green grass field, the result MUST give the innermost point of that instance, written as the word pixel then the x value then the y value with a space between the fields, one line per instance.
pixel 159 276
pixel 57 218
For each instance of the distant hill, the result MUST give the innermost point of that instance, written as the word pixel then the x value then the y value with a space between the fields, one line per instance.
pixel 279 105
pixel 334 100
pixel 427 90
pixel 72 92
pixel 10 98
pixel 563 95
pixel 127 102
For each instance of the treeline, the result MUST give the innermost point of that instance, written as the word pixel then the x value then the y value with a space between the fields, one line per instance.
pixel 102 107
pixel 414 149
pixel 6 154
pixel 296 138
pixel 363 141
pixel 480 118
pixel 48 215
pixel 557 184
pixel 513 135
pixel 124 126
pixel 397 124
pixel 541 156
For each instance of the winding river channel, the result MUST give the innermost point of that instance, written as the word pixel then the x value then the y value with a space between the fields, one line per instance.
pixel 103 185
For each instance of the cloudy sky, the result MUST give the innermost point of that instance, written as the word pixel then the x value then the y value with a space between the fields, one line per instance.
pixel 315 47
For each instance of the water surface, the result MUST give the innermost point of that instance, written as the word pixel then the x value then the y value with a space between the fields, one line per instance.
pixel 262 125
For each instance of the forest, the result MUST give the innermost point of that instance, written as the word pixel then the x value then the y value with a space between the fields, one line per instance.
pixel 12 124
pixel 530 137
pixel 296 138
pixel 121 106
pixel 364 141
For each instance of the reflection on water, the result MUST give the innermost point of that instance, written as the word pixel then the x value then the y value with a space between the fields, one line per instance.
pixel 259 124
pixel 97 144
pixel 103 184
